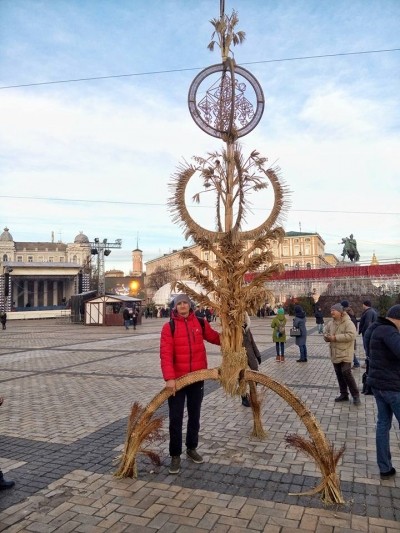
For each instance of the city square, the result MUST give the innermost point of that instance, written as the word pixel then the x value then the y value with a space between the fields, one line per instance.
pixel 68 390
pixel 283 207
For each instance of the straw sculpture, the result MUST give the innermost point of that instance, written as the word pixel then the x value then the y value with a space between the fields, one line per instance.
pixel 230 177
pixel 319 448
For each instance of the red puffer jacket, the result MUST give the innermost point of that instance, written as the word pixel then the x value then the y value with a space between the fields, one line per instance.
pixel 184 351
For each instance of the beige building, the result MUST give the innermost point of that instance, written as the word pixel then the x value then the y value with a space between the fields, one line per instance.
pixel 41 274
pixel 298 250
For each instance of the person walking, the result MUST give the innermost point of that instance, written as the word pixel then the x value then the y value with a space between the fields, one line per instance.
pixel 299 322
pixel 252 352
pixel 278 324
pixel 3 319
pixel 368 316
pixel 182 351
pixel 319 319
pixel 135 314
pixel 127 317
pixel 383 340
pixel 4 484
pixel 347 309
pixel 340 332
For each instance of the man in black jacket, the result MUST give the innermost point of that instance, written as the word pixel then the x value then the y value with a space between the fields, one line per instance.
pixel 383 340
pixel 368 316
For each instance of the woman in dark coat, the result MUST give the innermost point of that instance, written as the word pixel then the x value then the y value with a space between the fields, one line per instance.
pixel 252 351
pixel 299 322
pixel 319 319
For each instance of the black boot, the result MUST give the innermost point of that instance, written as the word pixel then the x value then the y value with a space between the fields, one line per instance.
pixel 5 484
pixel 342 398
pixel 245 401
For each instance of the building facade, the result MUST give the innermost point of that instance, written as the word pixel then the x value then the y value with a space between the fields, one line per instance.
pixel 42 274
pixel 298 250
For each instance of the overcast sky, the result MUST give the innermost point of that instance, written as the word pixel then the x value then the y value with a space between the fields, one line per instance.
pixel 98 155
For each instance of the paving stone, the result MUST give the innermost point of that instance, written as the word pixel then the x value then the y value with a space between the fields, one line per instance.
pixel 63 458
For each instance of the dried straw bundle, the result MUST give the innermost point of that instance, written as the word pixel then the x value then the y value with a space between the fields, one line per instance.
pixel 327 461
pixel 256 402
pixel 319 448
pixel 140 429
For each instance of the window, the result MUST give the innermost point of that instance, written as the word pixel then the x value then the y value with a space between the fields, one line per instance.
pixel 308 266
pixel 5 258
pixel 30 259
pixel 285 250
pixel 19 258
pixel 40 258
pixel 61 259
pixel 51 259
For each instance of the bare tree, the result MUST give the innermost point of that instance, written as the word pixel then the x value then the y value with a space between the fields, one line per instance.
pixel 160 277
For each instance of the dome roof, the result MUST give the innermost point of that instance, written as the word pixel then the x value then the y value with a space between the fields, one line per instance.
pixel 81 238
pixel 6 236
pixel 164 294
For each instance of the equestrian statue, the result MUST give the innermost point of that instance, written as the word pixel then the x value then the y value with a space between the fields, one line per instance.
pixel 350 249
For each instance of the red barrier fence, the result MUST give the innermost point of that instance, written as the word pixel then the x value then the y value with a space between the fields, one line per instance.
pixel 367 271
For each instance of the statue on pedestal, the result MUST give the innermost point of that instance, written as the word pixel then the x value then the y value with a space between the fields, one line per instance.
pixel 350 248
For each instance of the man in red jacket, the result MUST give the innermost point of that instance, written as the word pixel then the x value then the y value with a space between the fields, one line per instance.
pixel 182 351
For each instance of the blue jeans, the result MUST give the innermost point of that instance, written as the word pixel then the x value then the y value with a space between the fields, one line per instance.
pixel 388 404
pixel 281 346
pixel 303 352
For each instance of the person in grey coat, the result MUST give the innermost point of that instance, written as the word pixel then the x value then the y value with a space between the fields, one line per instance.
pixel 299 322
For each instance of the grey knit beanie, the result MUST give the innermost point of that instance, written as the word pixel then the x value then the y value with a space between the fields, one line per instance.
pixel 181 298
pixel 337 307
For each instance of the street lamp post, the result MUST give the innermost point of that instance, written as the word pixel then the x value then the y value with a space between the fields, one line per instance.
pixel 101 249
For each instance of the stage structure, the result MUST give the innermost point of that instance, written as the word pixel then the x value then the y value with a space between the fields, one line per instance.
pixel 227 102
pixel 101 249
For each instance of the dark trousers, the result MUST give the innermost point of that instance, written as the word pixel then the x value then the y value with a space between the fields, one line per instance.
pixel 345 379
pixel 303 352
pixel 194 396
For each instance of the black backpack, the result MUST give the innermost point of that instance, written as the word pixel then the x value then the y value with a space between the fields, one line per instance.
pixel 199 318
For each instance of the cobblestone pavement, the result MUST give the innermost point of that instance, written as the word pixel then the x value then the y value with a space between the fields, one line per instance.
pixel 68 391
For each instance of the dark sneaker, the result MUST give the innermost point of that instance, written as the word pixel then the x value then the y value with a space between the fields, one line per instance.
pixel 356 400
pixel 4 485
pixel 388 475
pixel 245 401
pixel 194 456
pixel 342 398
pixel 175 466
